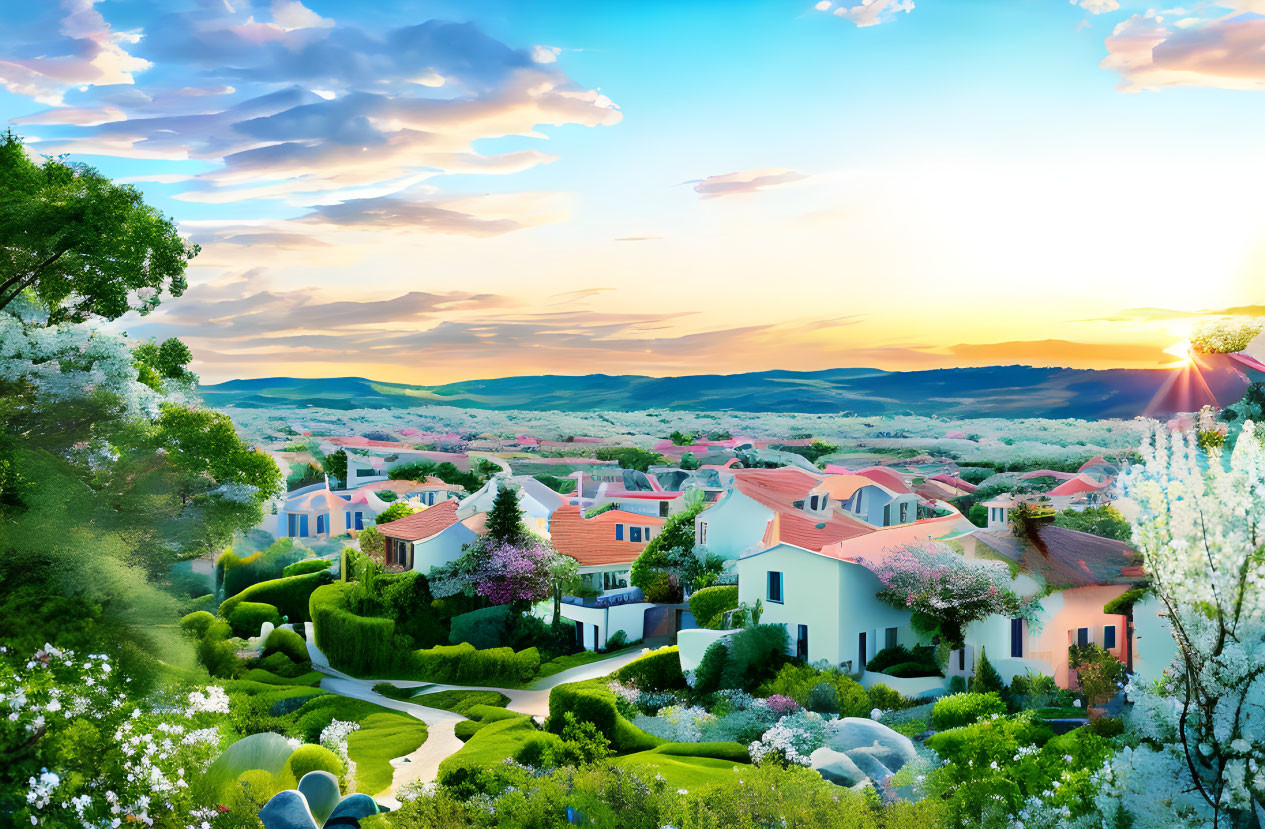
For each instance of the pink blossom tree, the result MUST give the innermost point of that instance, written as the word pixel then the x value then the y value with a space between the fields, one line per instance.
pixel 947 591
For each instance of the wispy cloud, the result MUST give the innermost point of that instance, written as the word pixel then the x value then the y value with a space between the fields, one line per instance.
pixel 744 182
pixel 867 12
pixel 1059 352
pixel 1156 50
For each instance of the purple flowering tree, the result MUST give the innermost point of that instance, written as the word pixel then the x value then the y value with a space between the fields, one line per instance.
pixel 947 591
pixel 503 572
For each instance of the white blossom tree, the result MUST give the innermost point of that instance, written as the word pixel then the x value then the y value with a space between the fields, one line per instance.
pixel 1200 732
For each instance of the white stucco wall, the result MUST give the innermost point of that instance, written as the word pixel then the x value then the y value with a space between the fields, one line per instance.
pixel 630 618
pixel 1154 646
pixel 441 549
pixel 735 525
pixel 694 642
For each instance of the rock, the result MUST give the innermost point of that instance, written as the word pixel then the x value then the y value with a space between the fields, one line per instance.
pixel 860 750
pixel 287 810
pixel 355 806
pixel 836 767
pixel 264 630
pixel 321 790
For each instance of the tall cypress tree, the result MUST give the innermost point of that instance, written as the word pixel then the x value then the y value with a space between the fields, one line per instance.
pixel 505 519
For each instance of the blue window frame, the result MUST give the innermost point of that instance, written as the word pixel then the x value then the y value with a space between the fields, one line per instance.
pixel 1109 636
pixel 360 520
pixel 302 526
pixel 322 522
pixel 634 534
pixel 292 525
pixel 774 592
pixel 619 532
pixel 347 520
pixel 1016 638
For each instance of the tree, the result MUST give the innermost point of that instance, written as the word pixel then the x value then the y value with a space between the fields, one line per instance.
pixel 986 676
pixel 505 519
pixel 946 591
pixel 680 438
pixel 83 245
pixel 1098 672
pixel 630 457
pixel 677 532
pixel 502 573
pixel 1105 521
pixel 1202 728
pixel 394 512
pixel 335 465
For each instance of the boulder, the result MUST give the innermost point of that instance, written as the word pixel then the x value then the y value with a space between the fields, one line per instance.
pixel 287 810
pixel 837 767
pixel 322 793
pixel 859 751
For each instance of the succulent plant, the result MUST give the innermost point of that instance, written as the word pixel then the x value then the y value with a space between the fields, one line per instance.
pixel 317 804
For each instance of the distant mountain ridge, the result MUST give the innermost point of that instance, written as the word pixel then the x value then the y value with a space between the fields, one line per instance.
pixel 993 391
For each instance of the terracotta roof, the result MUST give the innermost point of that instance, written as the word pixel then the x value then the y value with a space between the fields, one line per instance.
pixel 1079 484
pixel 422 525
pixel 889 478
pixel 878 544
pixel 1068 558
pixel 1047 473
pixel 401 487
pixel 955 482
pixel 936 490
pixel 779 489
pixel 591 541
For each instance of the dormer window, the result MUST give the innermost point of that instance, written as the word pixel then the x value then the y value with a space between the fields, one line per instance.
pixel 812 503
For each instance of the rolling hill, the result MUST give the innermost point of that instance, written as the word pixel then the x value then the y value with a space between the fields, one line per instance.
pixel 994 391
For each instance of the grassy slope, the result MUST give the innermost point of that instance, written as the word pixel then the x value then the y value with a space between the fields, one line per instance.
pixel 681 772
pixel 382 737
pixel 575 660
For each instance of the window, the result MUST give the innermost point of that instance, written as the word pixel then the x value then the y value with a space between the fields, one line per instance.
pixel 292 524
pixel 904 512
pixel 702 532
pixel 322 522
pixel 1082 636
pixel 1109 636
pixel 857 506
pixel 887 514
pixel 634 534
pixel 303 526
pixel 1016 638
pixel 663 509
pixel 619 532
pixel 889 638
pixel 347 519
pixel 861 658
pixel 812 503
pixel 775 587
pixel 801 643
pixel 360 520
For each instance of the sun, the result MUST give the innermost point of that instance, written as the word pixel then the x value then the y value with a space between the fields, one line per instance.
pixel 1182 351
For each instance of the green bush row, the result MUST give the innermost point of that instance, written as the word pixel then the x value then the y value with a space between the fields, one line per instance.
pixel 964 709
pixel 307 565
pixel 290 595
pixel 709 604
pixel 591 701
pixel 659 670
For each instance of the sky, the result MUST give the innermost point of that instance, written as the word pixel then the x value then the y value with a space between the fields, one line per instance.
pixel 428 192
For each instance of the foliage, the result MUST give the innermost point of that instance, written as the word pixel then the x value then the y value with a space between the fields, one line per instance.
pixel 290 595
pixel 591 701
pixel 287 642
pixel 372 542
pixel 234 573
pixel 986 680
pixel 461 701
pixel 335 465
pixel 948 590
pixel 1033 691
pixel 505 519
pixel 1098 672
pixel 790 741
pixel 311 757
pixel 85 246
pixel 709 604
pixel 1105 521
pixel 1225 336
pixel 900 655
pixel 155 362
pixel 247 618
pixel 446 472
pixel 658 670
pixel 963 709
pixel 1122 605
pixel 630 457
pixel 483 628
pixel 306 566
pixel 394 512
pixel 501 572
pixel 1203 728
pixel 750 657
pixel 670 552
pixel 798 681
pixel 195 624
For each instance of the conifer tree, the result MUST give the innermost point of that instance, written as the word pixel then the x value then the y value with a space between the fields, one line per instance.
pixel 505 519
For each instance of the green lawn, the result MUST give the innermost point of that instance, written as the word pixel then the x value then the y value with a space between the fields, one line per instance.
pixel 682 772
pixel 491 744
pixel 382 737
pixel 575 660
pixel 460 701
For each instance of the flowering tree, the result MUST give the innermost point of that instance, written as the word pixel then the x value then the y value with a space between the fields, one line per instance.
pixel 501 572
pixel 80 751
pixel 1225 336
pixel 1201 731
pixel 946 591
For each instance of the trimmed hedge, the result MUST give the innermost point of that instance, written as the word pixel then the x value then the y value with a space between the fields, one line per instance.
pixel 235 573
pixel 355 644
pixel 460 701
pixel 307 565
pixel 659 670
pixel 247 618
pixel 736 752
pixel 709 604
pixel 466 728
pixel 196 623
pixel 964 709
pixel 309 757
pixel 290 595
pixel 591 701
pixel 467 665
pixel 908 670
pixel 216 653
pixel 287 642
pixel 483 628
pixel 924 655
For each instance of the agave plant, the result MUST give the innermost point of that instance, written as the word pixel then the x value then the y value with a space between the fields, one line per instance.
pixel 317 804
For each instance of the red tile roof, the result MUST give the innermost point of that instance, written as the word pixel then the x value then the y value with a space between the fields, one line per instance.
pixel 779 489
pixel 1077 485
pixel 422 525
pixel 1068 558
pixel 591 541
pixel 887 477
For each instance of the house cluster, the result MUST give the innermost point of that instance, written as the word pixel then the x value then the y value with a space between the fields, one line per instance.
pixel 1097 483
pixel 801 541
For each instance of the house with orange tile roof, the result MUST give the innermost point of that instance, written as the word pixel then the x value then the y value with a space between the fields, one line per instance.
pixel 431 538
pixel 317 511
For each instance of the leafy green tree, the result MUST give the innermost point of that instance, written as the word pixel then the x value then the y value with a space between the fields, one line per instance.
pixel 394 513
pixel 1105 521
pixel 677 533
pixel 505 519
pixel 986 677
pixel 680 438
pixel 335 465
pixel 630 457
pixel 83 245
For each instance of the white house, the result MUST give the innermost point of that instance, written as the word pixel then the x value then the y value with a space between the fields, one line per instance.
pixel 537 501
pixel 430 538
pixel 737 524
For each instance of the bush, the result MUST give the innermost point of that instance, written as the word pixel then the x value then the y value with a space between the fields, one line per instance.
pixel 307 565
pixel 393 513
pixel 886 698
pixel 709 604
pixel 593 702
pixel 287 642
pixel 355 644
pixel 617 640
pixel 485 628
pixel 986 680
pixel 309 757
pixel 900 655
pixel 247 618
pixel 466 728
pixel 965 709
pixel 196 623
pixel 234 573
pixel 216 651
pixel 823 698
pixel 207 603
pixel 290 595
pixel 659 670
pixel 798 681
pixel 708 673
pixel 464 664
pixel 957 685
pixel 908 670
pixel 1107 727
pixel 280 665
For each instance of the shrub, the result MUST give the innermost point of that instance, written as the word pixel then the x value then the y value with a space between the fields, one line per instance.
pixel 287 642
pixel 216 652
pixel 1107 727
pixel 356 644
pixel 207 603
pixel 196 623
pixel 709 604
pixel 394 513
pixel 467 665
pixel 278 664
pixel 310 757
pixel 307 565
pixel 247 618
pixel 659 670
pixel 593 702
pixel 964 709
pixel 957 685
pixel 986 680
pixel 617 640
pixel 466 728
pixel 708 673
pixel 907 670
pixel 797 682
pixel 823 699
pixel 886 698
pixel 234 573
pixel 290 595
pixel 900 655
pixel 485 628
pixel 755 654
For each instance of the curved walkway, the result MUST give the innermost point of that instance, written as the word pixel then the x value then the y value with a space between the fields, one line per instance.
pixel 441 741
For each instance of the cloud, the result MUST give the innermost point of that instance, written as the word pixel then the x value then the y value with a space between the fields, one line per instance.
pixel 1059 352
pixel 88 52
pixel 291 14
pixel 744 182
pixel 567 297
pixel 868 12
pixel 1096 6
pixel 1161 314
pixel 1227 52
pixel 487 215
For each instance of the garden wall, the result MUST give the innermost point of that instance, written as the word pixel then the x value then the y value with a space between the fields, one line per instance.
pixel 693 642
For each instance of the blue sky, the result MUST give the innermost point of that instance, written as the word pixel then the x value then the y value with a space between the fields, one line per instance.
pixel 436 191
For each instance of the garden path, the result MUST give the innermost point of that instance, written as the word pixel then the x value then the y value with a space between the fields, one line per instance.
pixel 441 741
